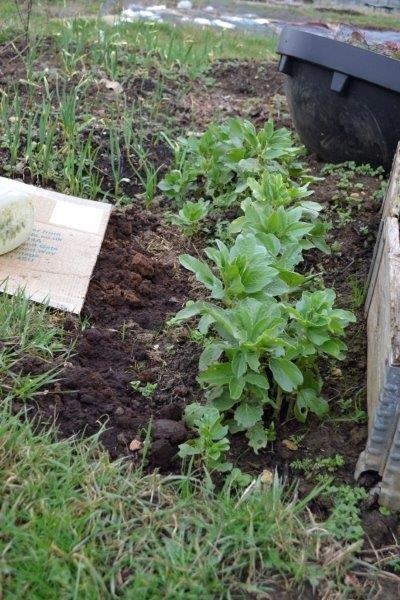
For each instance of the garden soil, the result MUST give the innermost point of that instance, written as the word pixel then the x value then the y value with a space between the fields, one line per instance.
pixel 130 376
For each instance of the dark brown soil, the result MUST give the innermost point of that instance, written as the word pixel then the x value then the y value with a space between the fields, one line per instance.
pixel 136 286
pixel 128 372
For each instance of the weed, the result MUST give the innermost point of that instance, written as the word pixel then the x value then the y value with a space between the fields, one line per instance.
pixel 344 522
pixel 146 390
pixel 297 438
pixel 318 468
pixel 350 168
pixel 350 410
pixel 386 512
pixel 196 336
pixel 84 322
pixel 357 292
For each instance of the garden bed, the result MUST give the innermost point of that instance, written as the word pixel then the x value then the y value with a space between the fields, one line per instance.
pixel 127 370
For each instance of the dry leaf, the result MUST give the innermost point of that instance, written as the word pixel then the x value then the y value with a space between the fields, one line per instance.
pixel 135 445
pixel 352 580
pixel 267 477
pixel 290 445
pixel 336 372
pixel 112 85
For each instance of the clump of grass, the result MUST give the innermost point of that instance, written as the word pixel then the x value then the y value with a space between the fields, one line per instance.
pixel 28 332
pixel 75 525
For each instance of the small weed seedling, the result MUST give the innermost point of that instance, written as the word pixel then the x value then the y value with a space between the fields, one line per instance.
pixel 318 468
pixel 146 390
pixel 344 522
pixel 351 410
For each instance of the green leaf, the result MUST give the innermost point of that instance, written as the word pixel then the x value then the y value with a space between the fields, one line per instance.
pixel 239 364
pixel 308 400
pixel 248 165
pixel 188 449
pixel 193 412
pixel 224 402
pixel 236 387
pixel 292 278
pixel 210 354
pixel 335 348
pixel 259 437
pixel 318 335
pixel 285 373
pixel 219 374
pixel 253 361
pixel 258 380
pixel 191 309
pixel 247 414
pixel 201 270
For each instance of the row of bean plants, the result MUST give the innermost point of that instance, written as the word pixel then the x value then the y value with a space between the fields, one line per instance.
pixel 264 321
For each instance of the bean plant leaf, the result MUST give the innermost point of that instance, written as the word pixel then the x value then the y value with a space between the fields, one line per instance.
pixel 239 364
pixel 258 436
pixel 219 374
pixel 308 400
pixel 210 354
pixel 247 414
pixel 258 380
pixel 190 310
pixel 248 165
pixel 201 270
pixel 335 348
pixel 286 374
pixel 224 402
pixel 236 387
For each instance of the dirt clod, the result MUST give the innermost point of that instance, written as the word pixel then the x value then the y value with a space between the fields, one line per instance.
pixel 174 431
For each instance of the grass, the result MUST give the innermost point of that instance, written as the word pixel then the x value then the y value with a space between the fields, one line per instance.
pixel 31 340
pixel 74 525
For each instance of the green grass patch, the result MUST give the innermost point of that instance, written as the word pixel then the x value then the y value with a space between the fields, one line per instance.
pixel 74 525
pixel 32 348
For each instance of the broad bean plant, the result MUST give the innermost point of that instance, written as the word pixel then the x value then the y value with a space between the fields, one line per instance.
pixel 265 323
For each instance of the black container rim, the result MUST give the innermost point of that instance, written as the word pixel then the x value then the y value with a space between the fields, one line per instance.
pixel 340 57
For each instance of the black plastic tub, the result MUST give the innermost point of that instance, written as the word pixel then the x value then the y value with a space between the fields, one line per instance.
pixel 344 100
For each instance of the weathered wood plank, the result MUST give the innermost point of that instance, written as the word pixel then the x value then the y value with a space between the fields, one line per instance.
pixel 382 308
pixel 391 203
pixel 383 321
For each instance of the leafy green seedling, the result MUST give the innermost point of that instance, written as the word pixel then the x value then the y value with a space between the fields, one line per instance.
pixel 190 216
pixel 147 390
pixel 319 467
pixel 211 445
pixel 344 522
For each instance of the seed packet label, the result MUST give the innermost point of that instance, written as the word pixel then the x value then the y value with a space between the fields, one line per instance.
pixel 55 264
pixel 83 218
